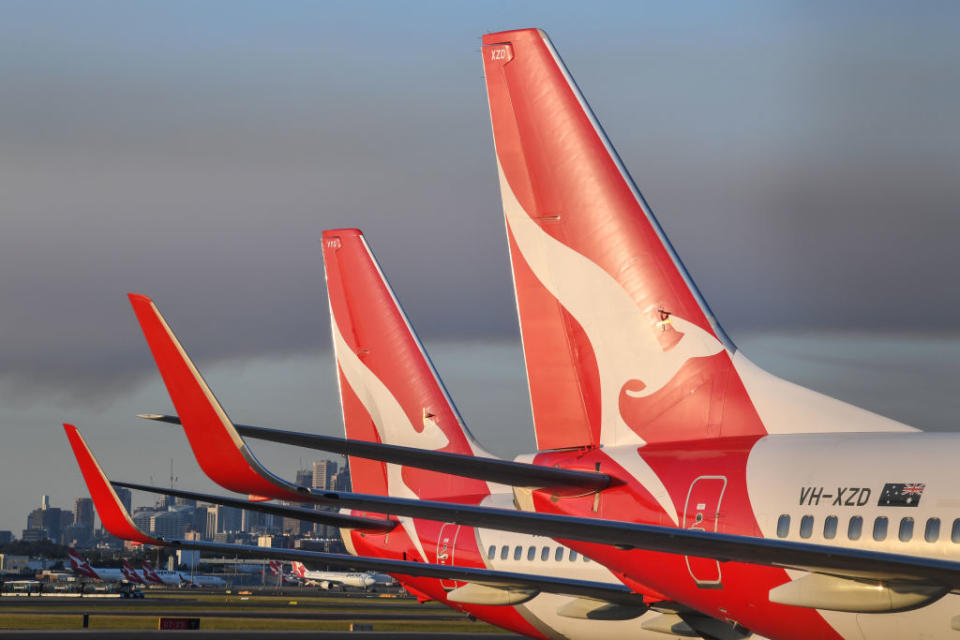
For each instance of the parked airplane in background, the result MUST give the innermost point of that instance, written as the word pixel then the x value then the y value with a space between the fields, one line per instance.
pixel 276 570
pixel 83 569
pixel 332 579
pixel 162 577
pixel 177 578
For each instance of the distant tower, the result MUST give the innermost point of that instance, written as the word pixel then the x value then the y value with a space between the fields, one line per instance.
pixel 44 502
pixel 83 513
pixel 305 478
pixel 323 471
pixel 126 497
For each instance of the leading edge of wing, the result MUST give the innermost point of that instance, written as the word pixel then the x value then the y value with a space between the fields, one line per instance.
pixel 508 472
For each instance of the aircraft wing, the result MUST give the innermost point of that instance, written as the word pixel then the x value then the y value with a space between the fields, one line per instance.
pixel 628 535
pixel 508 472
pixel 226 459
pixel 117 521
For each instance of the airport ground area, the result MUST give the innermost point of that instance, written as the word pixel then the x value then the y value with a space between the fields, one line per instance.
pixel 252 609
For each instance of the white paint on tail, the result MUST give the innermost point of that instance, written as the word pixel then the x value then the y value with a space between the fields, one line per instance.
pixel 391 421
pixel 621 334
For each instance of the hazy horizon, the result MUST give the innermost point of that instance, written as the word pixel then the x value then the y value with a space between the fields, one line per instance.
pixel 803 158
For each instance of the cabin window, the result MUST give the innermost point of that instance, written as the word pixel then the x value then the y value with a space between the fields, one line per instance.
pixel 830 527
pixel 906 529
pixel 880 529
pixel 531 553
pixel 517 552
pixel 855 528
pixel 586 559
pixel 559 555
pixel 806 526
pixel 545 554
pixel 491 552
pixel 932 531
pixel 955 532
pixel 573 555
pixel 504 552
pixel 783 526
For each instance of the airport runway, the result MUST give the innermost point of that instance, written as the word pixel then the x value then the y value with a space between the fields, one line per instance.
pixel 287 614
pixel 253 635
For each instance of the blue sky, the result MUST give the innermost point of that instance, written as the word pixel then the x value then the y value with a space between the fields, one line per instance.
pixel 802 157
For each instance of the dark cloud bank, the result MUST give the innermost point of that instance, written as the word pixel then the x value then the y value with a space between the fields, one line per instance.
pixel 805 166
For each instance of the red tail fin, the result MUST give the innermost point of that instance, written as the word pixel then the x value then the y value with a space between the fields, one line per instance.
pixel 619 345
pixel 389 390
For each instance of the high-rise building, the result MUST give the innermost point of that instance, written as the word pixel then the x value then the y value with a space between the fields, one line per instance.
pixel 168 524
pixel 126 497
pixel 305 477
pixel 323 471
pixel 221 519
pixel 212 516
pixel 44 502
pixel 83 512
pixel 295 526
pixel 343 478
pixel 49 520
pixel 33 535
pixel 6 536
pixel 142 518
pixel 251 521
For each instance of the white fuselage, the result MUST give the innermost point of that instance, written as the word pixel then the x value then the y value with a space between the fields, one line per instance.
pixel 326 579
pixel 849 477
pixel 500 551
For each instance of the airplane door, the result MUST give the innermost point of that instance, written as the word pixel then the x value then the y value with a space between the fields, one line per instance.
pixel 446 549
pixel 702 511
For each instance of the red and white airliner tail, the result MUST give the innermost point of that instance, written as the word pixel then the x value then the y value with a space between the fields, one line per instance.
pixel 620 346
pixel 80 565
pixel 389 389
pixel 131 574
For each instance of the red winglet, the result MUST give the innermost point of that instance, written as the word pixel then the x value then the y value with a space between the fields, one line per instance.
pixel 112 514
pixel 218 447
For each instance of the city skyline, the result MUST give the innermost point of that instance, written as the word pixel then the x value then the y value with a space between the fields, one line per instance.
pixel 176 517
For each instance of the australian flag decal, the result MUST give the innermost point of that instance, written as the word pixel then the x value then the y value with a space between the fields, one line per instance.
pixel 901 494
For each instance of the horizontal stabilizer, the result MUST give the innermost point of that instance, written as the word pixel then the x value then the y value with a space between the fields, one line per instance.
pixel 329 518
pixel 517 474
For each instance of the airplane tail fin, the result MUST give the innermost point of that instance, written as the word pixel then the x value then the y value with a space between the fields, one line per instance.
pixel 299 570
pixel 389 390
pixel 79 564
pixel 130 573
pixel 619 344
pixel 150 574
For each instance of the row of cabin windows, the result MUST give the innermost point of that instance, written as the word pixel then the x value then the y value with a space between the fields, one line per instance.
pixel 532 553
pixel 931 531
